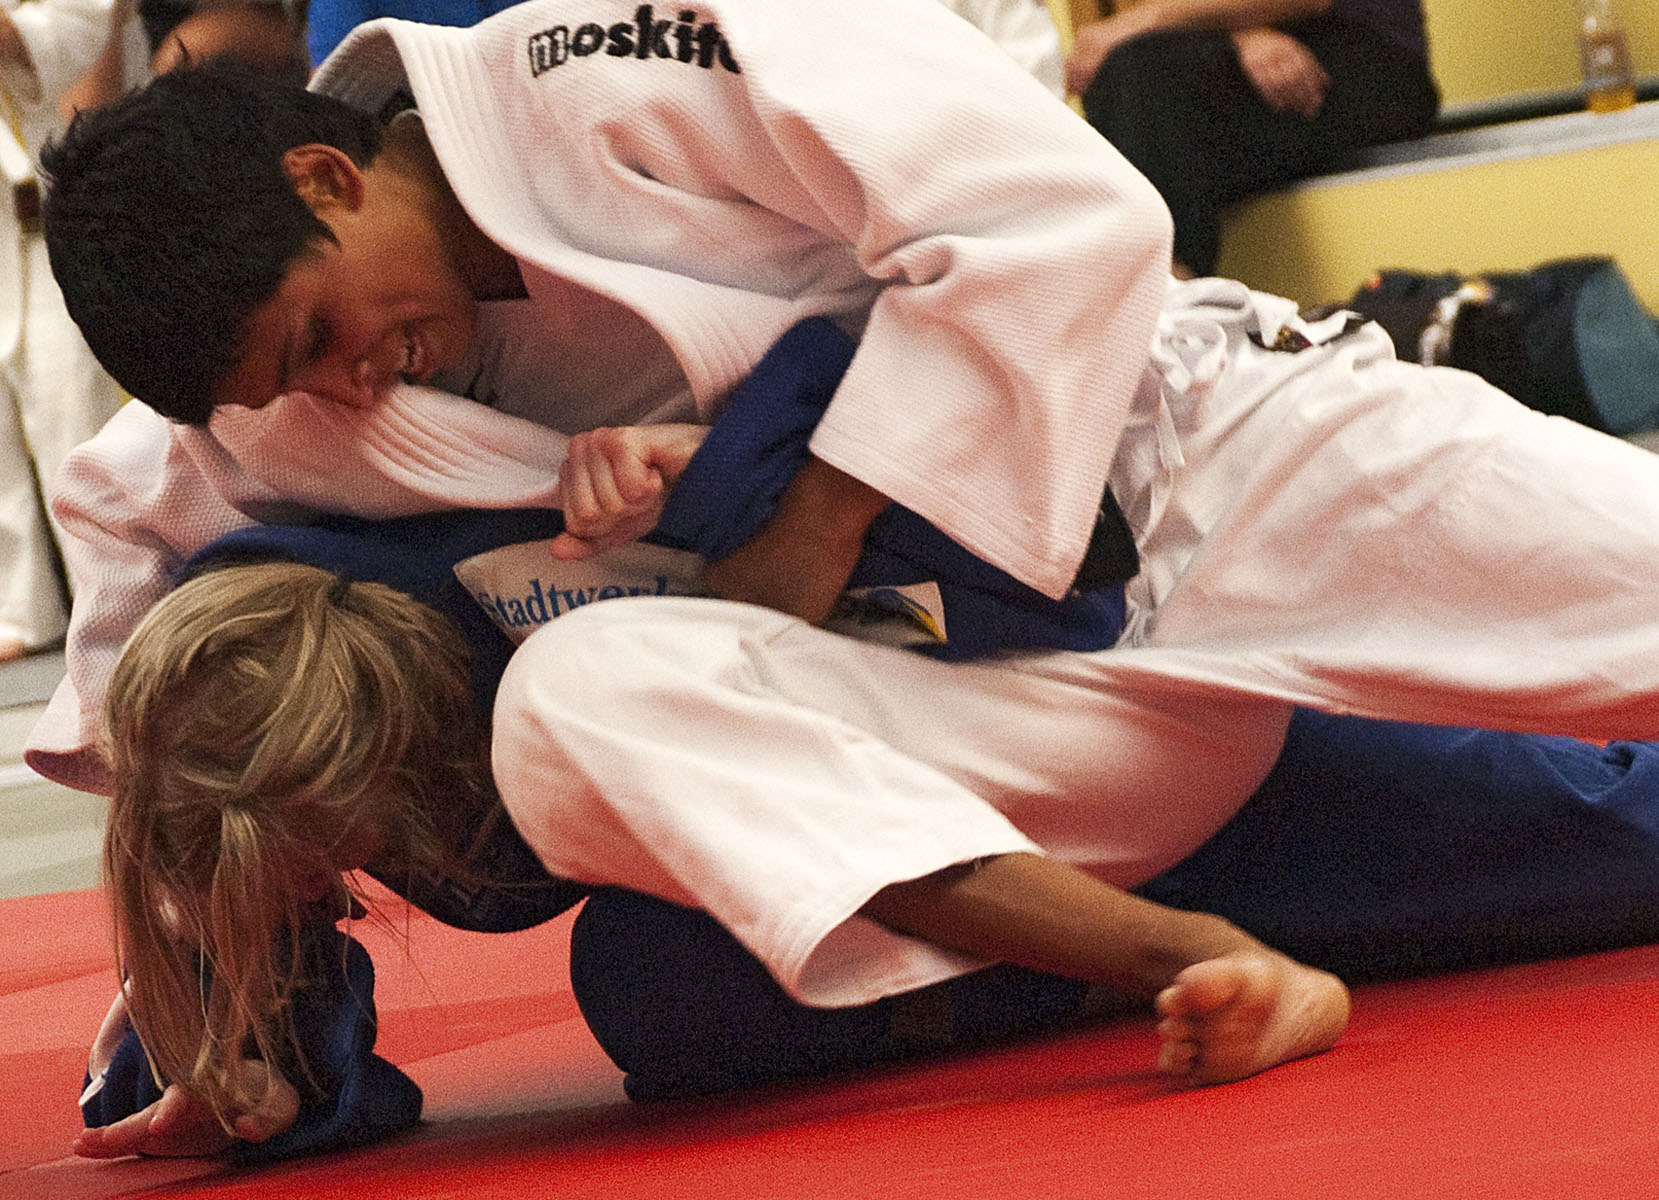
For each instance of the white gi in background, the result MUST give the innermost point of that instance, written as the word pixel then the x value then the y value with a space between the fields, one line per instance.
pixel 1025 29
pixel 53 394
pixel 1327 527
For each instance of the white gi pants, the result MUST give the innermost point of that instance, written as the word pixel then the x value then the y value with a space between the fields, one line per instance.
pixel 1325 527
pixel 53 395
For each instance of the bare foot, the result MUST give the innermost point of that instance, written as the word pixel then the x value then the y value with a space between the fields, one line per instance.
pixel 12 649
pixel 1232 1016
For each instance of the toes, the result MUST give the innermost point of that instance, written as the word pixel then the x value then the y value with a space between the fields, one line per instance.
pixel 1206 987
pixel 1227 1018
pixel 1178 1056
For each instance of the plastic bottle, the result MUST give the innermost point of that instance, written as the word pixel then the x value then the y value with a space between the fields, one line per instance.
pixel 1609 82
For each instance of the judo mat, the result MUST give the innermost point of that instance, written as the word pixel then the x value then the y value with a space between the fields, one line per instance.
pixel 1531 1081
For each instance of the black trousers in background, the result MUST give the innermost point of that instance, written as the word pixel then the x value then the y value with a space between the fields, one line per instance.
pixel 1178 105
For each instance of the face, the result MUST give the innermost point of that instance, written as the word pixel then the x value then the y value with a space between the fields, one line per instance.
pixel 349 320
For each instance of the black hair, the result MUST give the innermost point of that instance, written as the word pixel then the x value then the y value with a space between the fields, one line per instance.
pixel 169 219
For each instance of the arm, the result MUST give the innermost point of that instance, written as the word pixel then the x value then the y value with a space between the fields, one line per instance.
pixel 1230 1005
pixel 132 505
pixel 359 1097
pixel 143 495
pixel 985 324
pixel 1097 39
pixel 126 1112
pixel 1021 270
pixel 801 559
pixel 175 1126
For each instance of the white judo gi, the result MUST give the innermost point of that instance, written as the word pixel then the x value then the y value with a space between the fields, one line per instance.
pixel 1326 527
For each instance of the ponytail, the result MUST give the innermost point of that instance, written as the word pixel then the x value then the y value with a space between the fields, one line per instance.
pixel 262 720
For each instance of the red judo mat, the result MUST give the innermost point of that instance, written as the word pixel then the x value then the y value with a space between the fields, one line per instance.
pixel 1535 1081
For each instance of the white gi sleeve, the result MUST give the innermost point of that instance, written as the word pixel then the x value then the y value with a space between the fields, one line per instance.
pixel 133 504
pixel 1025 264
pixel 144 494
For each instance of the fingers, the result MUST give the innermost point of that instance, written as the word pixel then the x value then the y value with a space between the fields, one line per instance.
pixel 671 449
pixel 174 1109
pixel 1283 71
pixel 275 1111
pixel 148 1131
pixel 177 1126
pixel 607 479
pixel 568 546
pixel 614 483
pixel 116 1140
pixel 622 471
pixel 173 1127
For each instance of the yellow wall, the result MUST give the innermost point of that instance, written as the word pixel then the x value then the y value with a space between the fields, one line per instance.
pixel 1320 241
pixel 1483 49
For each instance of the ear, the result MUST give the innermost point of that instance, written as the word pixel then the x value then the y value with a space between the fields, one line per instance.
pixel 325 177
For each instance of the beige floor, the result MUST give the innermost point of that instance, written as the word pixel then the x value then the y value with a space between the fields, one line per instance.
pixel 49 835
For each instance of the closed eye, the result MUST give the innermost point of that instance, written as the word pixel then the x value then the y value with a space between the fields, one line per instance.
pixel 301 353
pixel 318 338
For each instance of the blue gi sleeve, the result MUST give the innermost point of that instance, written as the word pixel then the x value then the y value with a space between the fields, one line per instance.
pixel 732 485
pixel 349 1096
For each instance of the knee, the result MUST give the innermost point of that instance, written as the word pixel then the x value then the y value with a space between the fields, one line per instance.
pixel 1144 72
pixel 588 651
pixel 624 656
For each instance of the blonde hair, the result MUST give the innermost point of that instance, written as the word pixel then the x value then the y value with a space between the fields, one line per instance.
pixel 261 718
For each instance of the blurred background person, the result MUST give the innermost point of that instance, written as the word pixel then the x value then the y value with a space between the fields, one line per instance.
pixel 331 20
pixel 1025 29
pixel 52 392
pixel 1217 100
pixel 269 35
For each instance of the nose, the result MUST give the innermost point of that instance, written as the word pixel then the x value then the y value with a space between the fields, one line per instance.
pixel 357 373
pixel 359 384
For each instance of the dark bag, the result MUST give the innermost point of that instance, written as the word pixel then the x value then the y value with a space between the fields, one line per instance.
pixel 1565 337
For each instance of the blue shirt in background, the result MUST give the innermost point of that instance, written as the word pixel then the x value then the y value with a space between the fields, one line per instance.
pixel 330 20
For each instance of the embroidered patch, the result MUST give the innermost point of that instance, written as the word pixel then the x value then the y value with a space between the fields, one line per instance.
pixel 685 40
